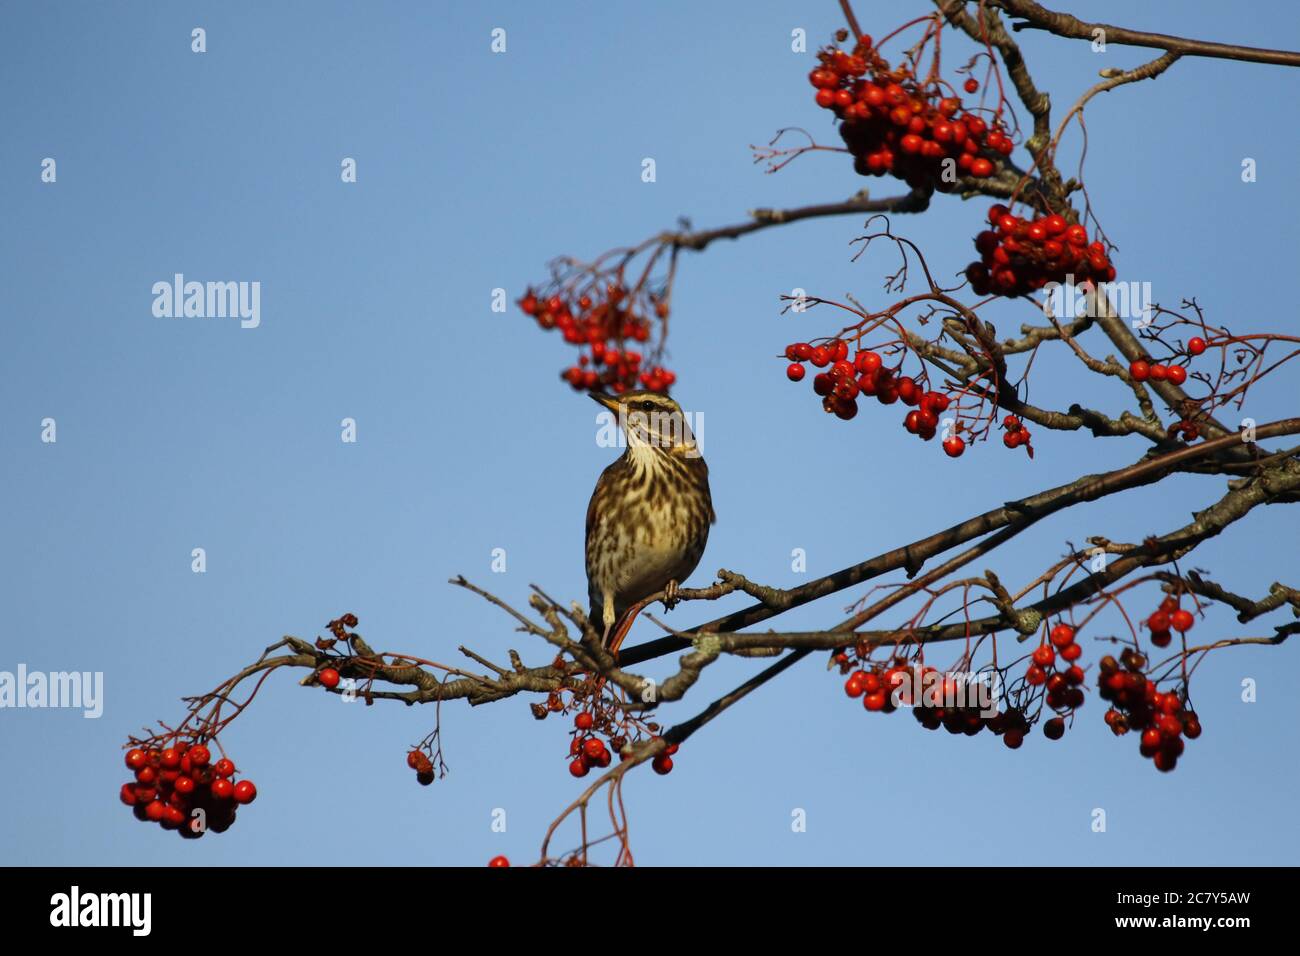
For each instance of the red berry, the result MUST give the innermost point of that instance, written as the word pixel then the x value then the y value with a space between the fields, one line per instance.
pixel 199 755
pixel 1013 739
pixel 875 701
pixel 971 85
pixel 1195 345
pixel 1054 729
pixel 1071 652
pixel 136 758
pixel 584 721
pixel 1139 370
pixel 226 767
pixel 1182 620
pixel 936 402
pixel 329 678
pixel 868 363
pixel 245 792
pixel 155 810
pixel 1062 635
pixel 1160 638
pixel 1158 372
pixel 498 862
pixel 593 748
pixel 1176 374
pixel 953 446
pixel 578 768
pixel 822 78
pixel 222 788
pixel 1169 725
pixel 1044 656
pixel 794 372
pixel 981 168
pixel 662 764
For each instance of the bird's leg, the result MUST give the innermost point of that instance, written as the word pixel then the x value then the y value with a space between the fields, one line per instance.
pixel 621 629
pixel 611 642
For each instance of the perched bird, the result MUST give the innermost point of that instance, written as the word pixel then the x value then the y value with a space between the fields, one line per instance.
pixel 649 516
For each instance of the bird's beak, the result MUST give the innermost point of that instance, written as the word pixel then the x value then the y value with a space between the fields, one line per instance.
pixel 609 401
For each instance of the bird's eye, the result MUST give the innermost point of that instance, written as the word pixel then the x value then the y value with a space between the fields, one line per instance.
pixel 648 406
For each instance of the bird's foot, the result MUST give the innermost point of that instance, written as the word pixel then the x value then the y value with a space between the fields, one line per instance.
pixel 670 595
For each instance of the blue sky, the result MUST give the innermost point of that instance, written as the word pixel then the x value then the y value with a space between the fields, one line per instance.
pixel 474 169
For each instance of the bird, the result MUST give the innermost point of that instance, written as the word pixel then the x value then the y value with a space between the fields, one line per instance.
pixel 649 516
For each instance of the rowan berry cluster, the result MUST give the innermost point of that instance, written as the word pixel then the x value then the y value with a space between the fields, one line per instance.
pixel 1019 256
pixel 844 382
pixel 895 124
pixel 940 702
pixel 180 788
pixel 1136 704
pixel 602 324
pixel 1143 370
pixel 1169 615
pixel 1052 666
pixel 876 685
pixel 588 750
pixel 1015 434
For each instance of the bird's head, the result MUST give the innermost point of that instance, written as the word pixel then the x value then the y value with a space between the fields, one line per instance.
pixel 651 419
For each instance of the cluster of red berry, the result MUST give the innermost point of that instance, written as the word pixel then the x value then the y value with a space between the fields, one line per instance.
pixel 1137 704
pixel 586 750
pixel 1064 684
pixel 179 788
pixel 879 684
pixel 602 328
pixel 419 761
pixel 876 686
pixel 844 382
pixel 1016 434
pixel 1019 256
pixel 1142 370
pixel 893 124
pixel 1169 615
